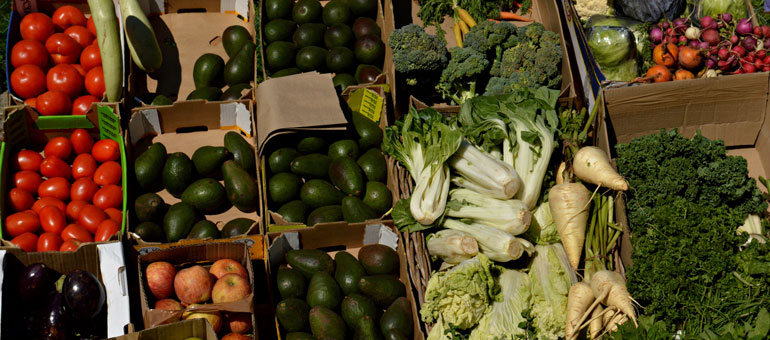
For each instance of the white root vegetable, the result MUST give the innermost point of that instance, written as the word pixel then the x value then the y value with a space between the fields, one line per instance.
pixel 569 203
pixel 616 321
pixel 597 324
pixel 579 299
pixel 608 316
pixel 610 289
pixel 560 173
pixel 592 165
pixel 453 246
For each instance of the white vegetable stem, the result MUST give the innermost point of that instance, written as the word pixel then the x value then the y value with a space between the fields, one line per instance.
pixel 496 244
pixel 430 195
pixel 479 169
pixel 569 203
pixel 511 216
pixel 753 227
pixel 530 160
pixel 453 246
pixel 592 165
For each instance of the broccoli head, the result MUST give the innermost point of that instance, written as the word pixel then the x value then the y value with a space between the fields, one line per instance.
pixel 416 54
pixel 539 56
pixel 458 80
pixel 546 69
pixel 506 85
pixel 488 36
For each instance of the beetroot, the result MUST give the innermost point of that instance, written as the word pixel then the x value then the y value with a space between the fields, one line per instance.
pixel 744 27
pixel 710 36
pixel 706 22
pixel 734 39
pixel 749 43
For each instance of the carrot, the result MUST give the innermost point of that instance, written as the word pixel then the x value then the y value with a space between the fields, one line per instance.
pixel 597 324
pixel 580 297
pixel 592 165
pixel 465 16
pixel 493 20
pixel 458 35
pixel 512 16
pixel 610 289
pixel 464 27
pixel 569 206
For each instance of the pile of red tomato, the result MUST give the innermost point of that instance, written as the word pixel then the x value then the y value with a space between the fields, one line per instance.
pixel 54 206
pixel 57 65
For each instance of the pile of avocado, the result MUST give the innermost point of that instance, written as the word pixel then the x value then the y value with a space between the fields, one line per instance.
pixel 345 297
pixel 315 183
pixel 196 182
pixel 210 72
pixel 305 36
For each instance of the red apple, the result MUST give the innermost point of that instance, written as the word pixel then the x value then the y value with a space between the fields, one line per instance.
pixel 160 279
pixel 214 318
pixel 235 336
pixel 168 304
pixel 227 266
pixel 231 287
pixel 193 285
pixel 238 322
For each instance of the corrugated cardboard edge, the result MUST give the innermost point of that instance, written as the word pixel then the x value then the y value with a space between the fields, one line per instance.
pixel 198 328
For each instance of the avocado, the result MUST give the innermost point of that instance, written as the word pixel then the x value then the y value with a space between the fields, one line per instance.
pixel 340 59
pixel 311 58
pixel 323 291
pixel 339 35
pixel 286 72
pixel 280 160
pixel 363 8
pixel 234 38
pixel 369 133
pixel 293 211
pixel 364 26
pixel 378 259
pixel 207 71
pixel 366 329
pixel 149 207
pixel 205 195
pixel 291 283
pixel 336 12
pixel 178 173
pixel 326 324
pixel 279 30
pixel 299 336
pixel 347 175
pixel 318 193
pixel 278 9
pixel 280 55
pixel 292 314
pixel 343 80
pixel 305 11
pixel 150 232
pixel 205 93
pixel 369 49
pixel 366 74
pixel 234 92
pixel 395 335
pixel 178 221
pixel 398 317
pixel 309 34
pixel 314 165
pixel 161 100
pixel 204 229
pixel 382 289
pixel 378 197
pixel 373 163
pixel 243 152
pixel 311 145
pixel 354 210
pixel 240 68
pixel 356 306
pixel 345 147
pixel 208 159
pixel 284 187
pixel 237 227
pixel 310 261
pixel 349 271
pixel 148 167
pixel 240 187
pixel 329 213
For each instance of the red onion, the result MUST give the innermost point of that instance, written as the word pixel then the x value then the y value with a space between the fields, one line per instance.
pixel 749 43
pixel 706 22
pixel 727 17
pixel 711 63
pixel 710 36
pixel 744 27
pixel 723 54
pixel 734 39
pixel 656 35
pixel 740 50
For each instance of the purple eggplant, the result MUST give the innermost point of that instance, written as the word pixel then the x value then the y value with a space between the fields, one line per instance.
pixel 84 294
pixel 36 281
pixel 51 322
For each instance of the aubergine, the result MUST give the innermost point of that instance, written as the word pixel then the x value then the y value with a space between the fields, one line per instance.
pixel 52 322
pixel 84 294
pixel 36 281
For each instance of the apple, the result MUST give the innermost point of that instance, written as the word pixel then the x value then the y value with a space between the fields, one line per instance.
pixel 160 279
pixel 231 287
pixel 193 285
pixel 214 318
pixel 235 336
pixel 238 322
pixel 227 266
pixel 168 304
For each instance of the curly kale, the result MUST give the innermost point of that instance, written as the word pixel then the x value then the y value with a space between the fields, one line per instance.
pixel 417 55
pixel 458 80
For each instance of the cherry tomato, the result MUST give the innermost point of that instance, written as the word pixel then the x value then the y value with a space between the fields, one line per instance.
pixel 81 141
pixel 81 35
pixel 20 199
pixel 91 27
pixel 49 242
pixel 106 150
pixel 26 241
pixel 54 103
pixel 48 201
pixel 29 52
pixel 73 209
pixel 90 217
pixel 84 165
pixel 106 229
pixel 55 167
pixel 22 222
pixel 109 196
pixel 36 26
pixel 76 232
pixel 114 214
pixel 52 220
pixel 70 245
pixel 82 104
pixel 57 187
pixel 64 78
pixel 60 147
pixel 66 16
pixel 63 49
pixel 28 81
pixel 31 102
pixel 108 173
pixel 95 82
pixel 90 57
pixel 83 189
pixel 27 160
pixel 81 70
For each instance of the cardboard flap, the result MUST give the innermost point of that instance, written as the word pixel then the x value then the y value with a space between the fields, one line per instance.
pixel 379 234
pixel 199 328
pixel 113 269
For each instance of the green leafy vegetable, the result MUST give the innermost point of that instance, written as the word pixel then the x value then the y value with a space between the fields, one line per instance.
pixel 504 318
pixel 550 276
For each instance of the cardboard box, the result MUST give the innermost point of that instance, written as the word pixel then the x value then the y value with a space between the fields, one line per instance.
pixel 184 127
pixel 342 237
pixel 104 260
pixel 182 330
pixel 25 129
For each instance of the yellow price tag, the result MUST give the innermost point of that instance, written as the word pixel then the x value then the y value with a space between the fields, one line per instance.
pixel 366 102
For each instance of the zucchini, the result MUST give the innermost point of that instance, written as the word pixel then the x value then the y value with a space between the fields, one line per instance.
pixel 103 13
pixel 140 38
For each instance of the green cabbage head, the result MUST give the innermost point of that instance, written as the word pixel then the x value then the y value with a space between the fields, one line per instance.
pixel 615 50
pixel 550 276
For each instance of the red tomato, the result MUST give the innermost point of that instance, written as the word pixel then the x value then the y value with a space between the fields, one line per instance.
pixel 55 167
pixel 27 180
pixel 81 105
pixel 81 141
pixel 76 232
pixel 54 103
pixel 60 147
pixel 36 26
pixel 28 52
pixel 95 82
pixel 66 16
pixel 109 196
pixel 81 35
pixel 70 245
pixel 63 49
pixel 90 57
pixel 22 222
pixel 31 102
pixel 49 242
pixel 20 199
pixel 48 201
pixel 83 189
pixel 84 165
pixel 64 78
pixel 114 214
pixel 28 81
pixel 26 241
pixel 106 150
pixel 80 69
pixel 108 173
pixel 52 220
pixel 91 27
pixel 57 187
pixel 27 160
pixel 106 229
pixel 73 209
pixel 90 217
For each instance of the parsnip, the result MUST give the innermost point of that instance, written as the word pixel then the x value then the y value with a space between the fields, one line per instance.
pixel 580 298
pixel 592 165
pixel 569 203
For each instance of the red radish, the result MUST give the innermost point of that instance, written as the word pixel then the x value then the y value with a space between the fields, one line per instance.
pixel 669 31
pixel 761 54
pixel 757 31
pixel 744 27
pixel 656 35
pixel 766 43
pixel 727 17
pixel 694 44
pixel 749 68
pixel 765 30
pixel 759 63
pixel 723 53
pixel 706 21
pixel 739 50
pixel 682 39
pixel 766 68
pixel 711 63
pixel 738 72
pixel 704 45
pixel 665 25
pixel 766 60
pixel 710 36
